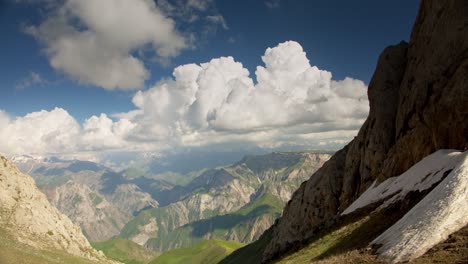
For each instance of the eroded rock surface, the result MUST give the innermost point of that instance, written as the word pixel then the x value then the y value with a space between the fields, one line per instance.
pixel 26 213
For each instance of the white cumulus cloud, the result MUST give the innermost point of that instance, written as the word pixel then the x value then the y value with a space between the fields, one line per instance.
pixel 289 103
pixel 101 132
pixel 220 96
pixel 94 41
pixel 56 132
pixel 40 132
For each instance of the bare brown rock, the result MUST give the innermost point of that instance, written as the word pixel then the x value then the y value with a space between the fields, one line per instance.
pixel 26 214
pixel 433 101
pixel 418 104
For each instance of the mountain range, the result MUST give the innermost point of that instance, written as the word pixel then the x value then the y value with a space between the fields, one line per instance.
pixel 149 211
pixel 396 193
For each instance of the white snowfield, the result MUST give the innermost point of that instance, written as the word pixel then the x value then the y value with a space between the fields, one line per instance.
pixel 442 212
pixel 420 177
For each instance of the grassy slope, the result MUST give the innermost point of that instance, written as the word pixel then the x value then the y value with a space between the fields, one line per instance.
pixel 326 242
pixel 206 252
pixel 220 226
pixel 177 178
pixel 252 253
pixel 346 238
pixel 143 218
pixel 125 251
pixel 452 250
pixel 13 252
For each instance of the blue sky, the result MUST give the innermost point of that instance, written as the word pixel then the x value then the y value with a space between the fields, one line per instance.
pixel 341 37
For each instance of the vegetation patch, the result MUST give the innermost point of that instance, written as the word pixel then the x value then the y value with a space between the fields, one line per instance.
pixel 95 199
pixel 206 252
pixel 125 251
pixel 352 233
pixel 251 253
pixel 14 252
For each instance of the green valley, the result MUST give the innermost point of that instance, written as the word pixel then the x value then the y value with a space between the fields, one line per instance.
pixel 206 252
pixel 125 251
pixel 237 202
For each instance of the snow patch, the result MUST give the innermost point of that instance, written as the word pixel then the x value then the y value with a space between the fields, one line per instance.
pixel 442 212
pixel 420 177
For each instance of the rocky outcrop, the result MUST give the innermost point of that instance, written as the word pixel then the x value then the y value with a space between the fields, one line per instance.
pixel 101 216
pixel 418 104
pixel 99 219
pixel 433 96
pixel 26 214
pixel 94 197
pixel 131 199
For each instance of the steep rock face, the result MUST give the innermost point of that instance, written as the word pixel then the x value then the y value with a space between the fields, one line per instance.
pixel 377 135
pixel 131 199
pixel 29 217
pixel 418 104
pixel 99 219
pixel 433 98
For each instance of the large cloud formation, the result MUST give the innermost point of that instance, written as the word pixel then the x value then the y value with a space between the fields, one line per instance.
pixel 94 41
pixel 289 103
pixel 39 132
pixel 219 96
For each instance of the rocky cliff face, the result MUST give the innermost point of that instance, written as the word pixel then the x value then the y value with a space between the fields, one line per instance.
pixel 100 201
pixel 26 214
pixel 418 104
pixel 98 218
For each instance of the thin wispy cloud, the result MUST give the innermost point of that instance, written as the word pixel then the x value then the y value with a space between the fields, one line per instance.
pixel 272 4
pixel 33 79
pixel 218 19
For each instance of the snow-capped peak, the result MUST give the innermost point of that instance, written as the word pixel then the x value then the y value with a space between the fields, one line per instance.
pixel 27 158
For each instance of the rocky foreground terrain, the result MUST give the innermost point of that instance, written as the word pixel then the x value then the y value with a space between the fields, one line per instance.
pixel 27 217
pixel 418 105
